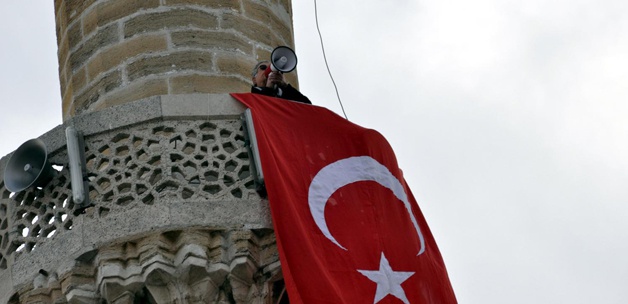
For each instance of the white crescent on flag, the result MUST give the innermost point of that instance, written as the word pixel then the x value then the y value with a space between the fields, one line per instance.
pixel 346 171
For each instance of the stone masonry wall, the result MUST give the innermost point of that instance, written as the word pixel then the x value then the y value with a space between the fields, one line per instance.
pixel 116 51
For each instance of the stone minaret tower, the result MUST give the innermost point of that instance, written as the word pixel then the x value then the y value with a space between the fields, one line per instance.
pixel 174 216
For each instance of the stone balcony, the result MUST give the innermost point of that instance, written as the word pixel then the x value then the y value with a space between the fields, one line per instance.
pixel 174 214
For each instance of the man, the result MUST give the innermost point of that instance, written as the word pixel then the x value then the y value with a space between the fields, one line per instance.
pixel 274 85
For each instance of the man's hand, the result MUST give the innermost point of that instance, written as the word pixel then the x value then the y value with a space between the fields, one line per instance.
pixel 275 78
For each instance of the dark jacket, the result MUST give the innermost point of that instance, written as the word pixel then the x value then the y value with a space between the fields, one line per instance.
pixel 287 92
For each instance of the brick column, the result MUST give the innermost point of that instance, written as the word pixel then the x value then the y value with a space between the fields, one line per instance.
pixel 117 51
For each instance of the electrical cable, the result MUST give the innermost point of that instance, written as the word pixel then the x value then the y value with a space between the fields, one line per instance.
pixel 325 58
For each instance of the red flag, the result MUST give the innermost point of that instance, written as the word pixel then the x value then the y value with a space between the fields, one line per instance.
pixel 348 228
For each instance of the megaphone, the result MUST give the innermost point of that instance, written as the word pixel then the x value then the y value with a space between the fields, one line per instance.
pixel 28 166
pixel 282 59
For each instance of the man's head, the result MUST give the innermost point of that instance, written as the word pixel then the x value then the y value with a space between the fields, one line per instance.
pixel 258 77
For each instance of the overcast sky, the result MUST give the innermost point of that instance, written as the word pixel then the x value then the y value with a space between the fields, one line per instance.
pixel 508 119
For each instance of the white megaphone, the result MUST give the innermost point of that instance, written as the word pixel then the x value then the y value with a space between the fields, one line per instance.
pixel 282 59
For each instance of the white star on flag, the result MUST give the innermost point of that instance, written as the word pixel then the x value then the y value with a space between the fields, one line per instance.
pixel 387 280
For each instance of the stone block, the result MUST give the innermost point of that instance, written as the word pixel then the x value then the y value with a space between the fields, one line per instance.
pixel 278 39
pixel 191 254
pixel 173 62
pixel 118 116
pixel 57 4
pixel 137 90
pixel 215 4
pixel 74 34
pixel 63 56
pixel 60 21
pixel 66 74
pixel 262 53
pixel 67 102
pixel 188 84
pixel 258 11
pixel 233 64
pixel 117 54
pixel 90 22
pixel 250 28
pixel 277 23
pixel 219 214
pixel 223 106
pixel 77 279
pixel 287 6
pixel 185 106
pixel 104 37
pixel 244 269
pixel 80 296
pixel 108 11
pixel 74 8
pixel 127 298
pixel 38 296
pixel 268 255
pixel 282 34
pixel 225 41
pixel 171 19
pixel 96 90
pixel 127 223
pixel 218 272
pixel 79 79
pixel 156 242
pixel 243 245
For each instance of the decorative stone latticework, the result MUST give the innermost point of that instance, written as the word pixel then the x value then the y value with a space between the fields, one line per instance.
pixel 173 217
pixel 164 160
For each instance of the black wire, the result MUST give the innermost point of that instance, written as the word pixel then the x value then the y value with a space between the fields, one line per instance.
pixel 325 57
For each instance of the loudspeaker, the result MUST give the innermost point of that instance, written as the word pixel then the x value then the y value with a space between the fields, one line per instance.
pixel 28 166
pixel 76 162
pixel 282 59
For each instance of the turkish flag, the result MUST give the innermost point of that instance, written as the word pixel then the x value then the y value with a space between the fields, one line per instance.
pixel 347 226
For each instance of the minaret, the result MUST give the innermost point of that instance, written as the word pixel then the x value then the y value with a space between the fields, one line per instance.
pixel 174 216
pixel 113 52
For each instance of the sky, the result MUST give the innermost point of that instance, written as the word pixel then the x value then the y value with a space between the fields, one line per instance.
pixel 508 119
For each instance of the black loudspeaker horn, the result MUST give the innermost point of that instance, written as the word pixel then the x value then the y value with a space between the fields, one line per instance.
pixel 282 59
pixel 28 166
